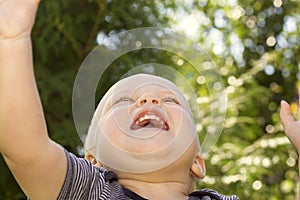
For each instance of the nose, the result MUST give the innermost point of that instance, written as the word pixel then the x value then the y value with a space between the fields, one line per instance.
pixel 149 99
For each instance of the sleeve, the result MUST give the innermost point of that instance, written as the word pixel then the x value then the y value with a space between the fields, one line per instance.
pixel 83 180
pixel 209 194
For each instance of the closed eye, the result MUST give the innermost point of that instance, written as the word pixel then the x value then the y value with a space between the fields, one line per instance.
pixel 170 100
pixel 123 100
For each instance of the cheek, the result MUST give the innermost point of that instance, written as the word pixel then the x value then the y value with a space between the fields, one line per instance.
pixel 117 118
pixel 115 124
pixel 181 120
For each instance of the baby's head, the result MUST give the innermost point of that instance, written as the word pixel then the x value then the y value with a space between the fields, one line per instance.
pixel 143 125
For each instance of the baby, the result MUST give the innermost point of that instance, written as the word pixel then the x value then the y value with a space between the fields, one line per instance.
pixel 142 142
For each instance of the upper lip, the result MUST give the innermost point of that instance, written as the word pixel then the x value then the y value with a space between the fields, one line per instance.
pixel 150 115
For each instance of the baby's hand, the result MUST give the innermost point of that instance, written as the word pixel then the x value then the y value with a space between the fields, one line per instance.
pixel 291 126
pixel 17 18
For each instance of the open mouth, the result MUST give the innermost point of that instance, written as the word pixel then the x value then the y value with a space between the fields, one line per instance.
pixel 150 119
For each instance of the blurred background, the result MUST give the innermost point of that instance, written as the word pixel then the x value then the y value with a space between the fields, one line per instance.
pixel 254 45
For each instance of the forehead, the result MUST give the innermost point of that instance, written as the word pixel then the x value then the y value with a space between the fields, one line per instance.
pixel 145 82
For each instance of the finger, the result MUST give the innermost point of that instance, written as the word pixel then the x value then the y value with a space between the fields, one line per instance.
pixel 36 2
pixel 285 114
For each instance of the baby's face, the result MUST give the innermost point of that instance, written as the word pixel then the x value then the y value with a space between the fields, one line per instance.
pixel 146 115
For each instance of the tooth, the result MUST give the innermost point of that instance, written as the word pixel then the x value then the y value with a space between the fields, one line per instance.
pixel 142 119
pixel 153 117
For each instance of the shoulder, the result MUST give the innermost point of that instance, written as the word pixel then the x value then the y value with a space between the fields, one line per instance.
pixel 209 194
pixel 82 179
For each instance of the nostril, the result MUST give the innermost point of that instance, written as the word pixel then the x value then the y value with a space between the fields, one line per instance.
pixel 149 100
pixel 143 101
pixel 154 101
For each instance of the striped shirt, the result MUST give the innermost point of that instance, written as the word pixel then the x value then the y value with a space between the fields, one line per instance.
pixel 84 181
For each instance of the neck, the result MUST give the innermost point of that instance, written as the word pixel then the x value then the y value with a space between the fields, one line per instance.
pixel 166 190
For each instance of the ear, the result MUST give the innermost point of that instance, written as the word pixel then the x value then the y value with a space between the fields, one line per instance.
pixel 198 168
pixel 92 159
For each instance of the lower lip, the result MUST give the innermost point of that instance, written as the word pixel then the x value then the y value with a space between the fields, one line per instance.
pixel 145 133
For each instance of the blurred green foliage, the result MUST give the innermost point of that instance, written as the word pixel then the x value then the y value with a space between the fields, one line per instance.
pixel 253 43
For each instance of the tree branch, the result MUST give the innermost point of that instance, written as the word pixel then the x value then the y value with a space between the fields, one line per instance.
pixel 95 29
pixel 75 45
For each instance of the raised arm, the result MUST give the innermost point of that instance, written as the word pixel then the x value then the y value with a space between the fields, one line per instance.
pixel 291 128
pixel 38 164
